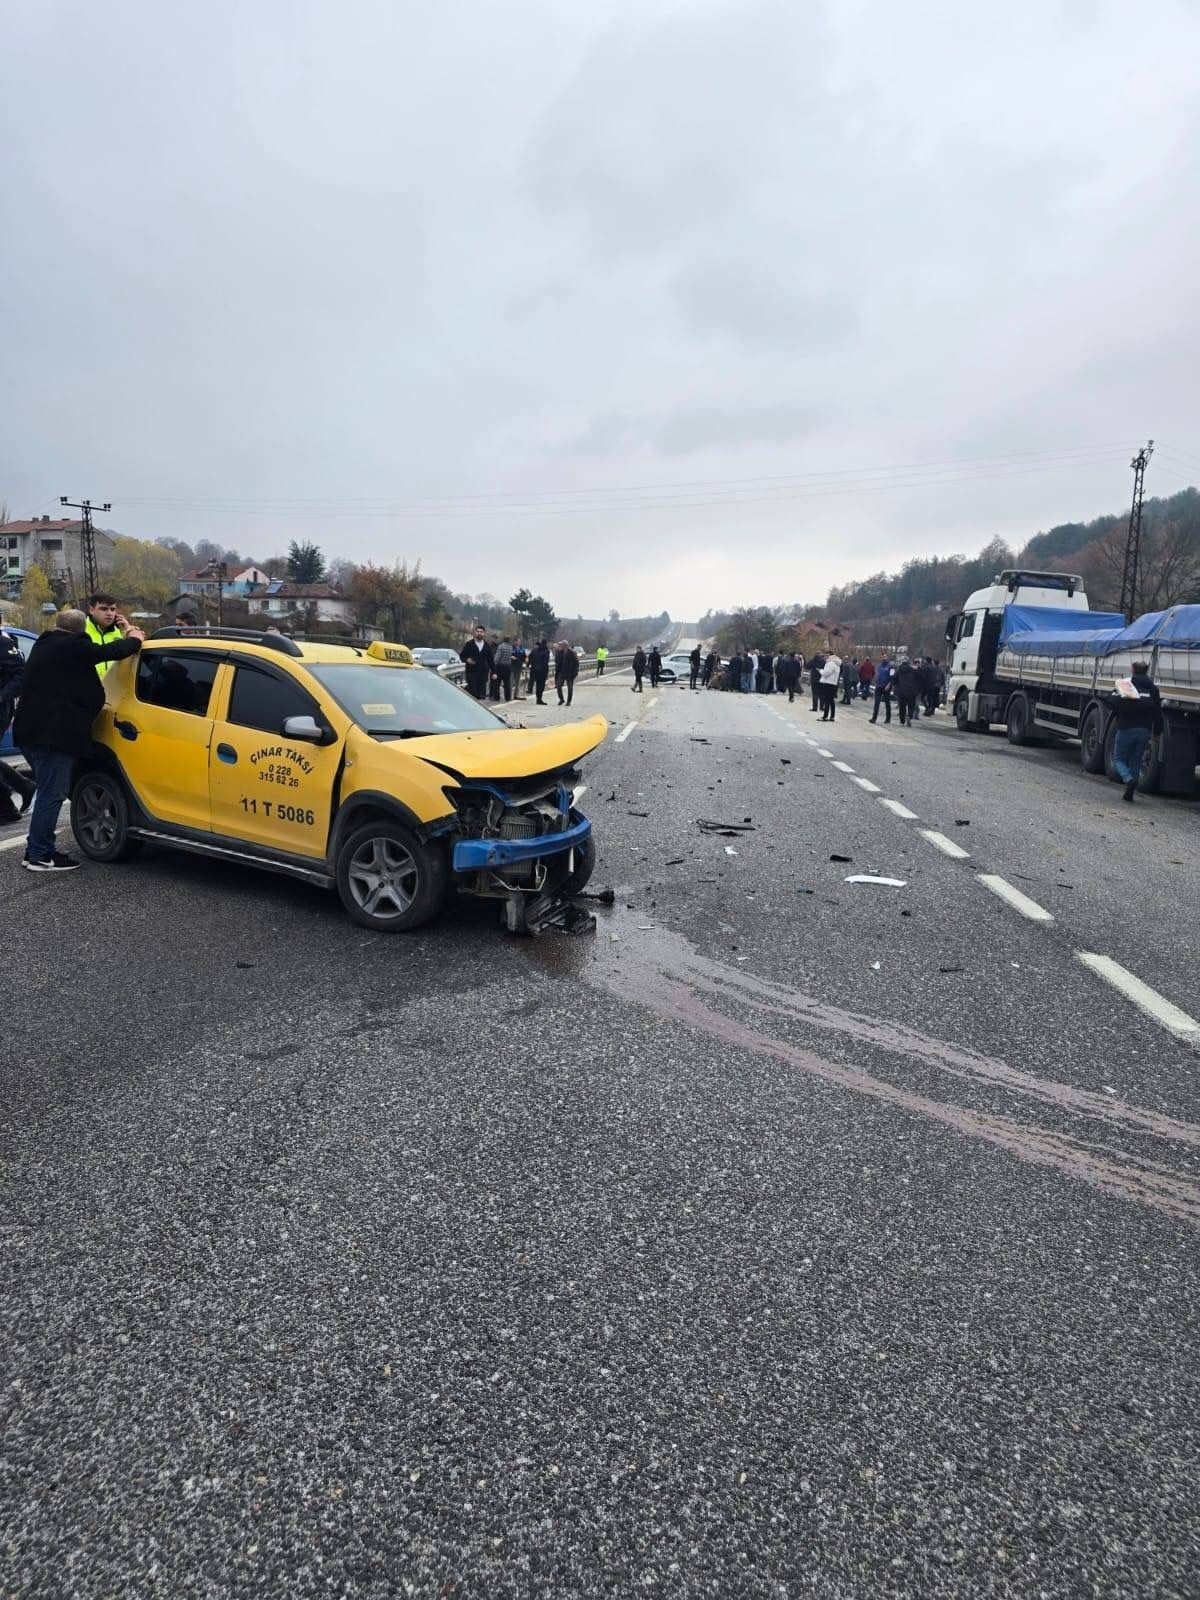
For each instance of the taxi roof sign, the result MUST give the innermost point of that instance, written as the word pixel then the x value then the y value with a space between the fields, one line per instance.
pixel 396 655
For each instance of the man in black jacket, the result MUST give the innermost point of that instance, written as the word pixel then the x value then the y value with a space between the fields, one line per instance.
pixel 539 669
pixel 907 686
pixel 60 699
pixel 789 674
pixel 654 661
pixel 639 667
pixel 1138 716
pixel 815 667
pixel 476 656
pixel 566 670
pixel 694 666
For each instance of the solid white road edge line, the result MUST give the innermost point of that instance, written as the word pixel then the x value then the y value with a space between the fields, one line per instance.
pixel 898 810
pixel 865 783
pixel 1147 999
pixel 625 732
pixel 1019 902
pixel 947 846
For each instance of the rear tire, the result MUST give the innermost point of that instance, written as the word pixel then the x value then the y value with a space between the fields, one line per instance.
pixel 389 882
pixel 100 818
pixel 1091 740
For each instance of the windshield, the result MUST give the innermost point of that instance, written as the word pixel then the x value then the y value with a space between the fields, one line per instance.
pixel 397 701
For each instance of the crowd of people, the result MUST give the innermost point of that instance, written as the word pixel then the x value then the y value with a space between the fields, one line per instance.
pixel 916 687
pixel 503 668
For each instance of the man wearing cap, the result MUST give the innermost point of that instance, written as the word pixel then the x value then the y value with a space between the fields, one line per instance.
pixel 60 697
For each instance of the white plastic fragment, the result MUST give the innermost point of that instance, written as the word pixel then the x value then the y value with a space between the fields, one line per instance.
pixel 866 877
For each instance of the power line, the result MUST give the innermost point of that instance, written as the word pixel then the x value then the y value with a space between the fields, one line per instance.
pixel 415 511
pixel 87 539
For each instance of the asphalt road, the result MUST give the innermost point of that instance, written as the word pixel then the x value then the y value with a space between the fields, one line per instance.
pixel 789 1236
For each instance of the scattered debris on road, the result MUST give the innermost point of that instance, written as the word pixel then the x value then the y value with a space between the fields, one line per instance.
pixel 727 830
pixel 841 858
pixel 950 969
pixel 729 850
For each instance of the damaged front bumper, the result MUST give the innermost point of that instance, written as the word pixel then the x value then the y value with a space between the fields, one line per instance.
pixel 475 855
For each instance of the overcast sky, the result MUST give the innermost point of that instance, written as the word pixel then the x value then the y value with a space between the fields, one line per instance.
pixel 411 279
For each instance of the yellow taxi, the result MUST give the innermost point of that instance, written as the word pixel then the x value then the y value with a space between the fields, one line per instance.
pixel 348 766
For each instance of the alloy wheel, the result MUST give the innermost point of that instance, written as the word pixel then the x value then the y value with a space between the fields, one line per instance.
pixel 383 878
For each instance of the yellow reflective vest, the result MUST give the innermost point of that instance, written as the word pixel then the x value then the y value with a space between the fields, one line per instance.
pixel 109 636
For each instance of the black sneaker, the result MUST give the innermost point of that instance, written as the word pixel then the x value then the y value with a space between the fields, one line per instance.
pixel 57 863
pixel 1130 790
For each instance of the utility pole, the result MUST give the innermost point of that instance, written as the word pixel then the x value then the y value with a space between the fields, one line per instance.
pixel 1133 541
pixel 91 577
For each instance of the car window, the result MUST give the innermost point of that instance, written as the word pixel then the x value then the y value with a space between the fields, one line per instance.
pixel 179 682
pixel 967 626
pixel 261 700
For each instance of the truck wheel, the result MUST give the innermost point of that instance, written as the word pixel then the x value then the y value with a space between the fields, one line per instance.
pixel 585 864
pixel 1091 740
pixel 387 881
pixel 1110 745
pixel 100 818
pixel 1019 720
pixel 962 706
pixel 1153 763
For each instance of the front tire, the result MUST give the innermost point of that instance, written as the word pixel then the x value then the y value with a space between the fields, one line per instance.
pixel 389 882
pixel 100 818
pixel 577 880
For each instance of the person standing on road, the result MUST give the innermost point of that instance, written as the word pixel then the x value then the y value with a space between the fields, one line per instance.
pixel 815 668
pixel 694 667
pixel 539 669
pixel 16 791
pixel 655 661
pixel 765 676
pixel 476 656
pixel 712 665
pixel 61 696
pixel 1138 717
pixel 849 680
pixel 831 674
pixel 908 686
pixel 866 677
pixel 639 667
pixel 566 670
pixel 931 685
pixel 750 671
pixel 601 658
pixel 884 674
pixel 789 675
pixel 502 669
pixel 733 672
pixel 518 666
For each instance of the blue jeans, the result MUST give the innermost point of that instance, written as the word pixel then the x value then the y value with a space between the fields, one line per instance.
pixel 1128 749
pixel 747 683
pixel 52 775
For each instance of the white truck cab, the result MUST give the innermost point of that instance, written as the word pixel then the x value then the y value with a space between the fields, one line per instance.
pixel 973 632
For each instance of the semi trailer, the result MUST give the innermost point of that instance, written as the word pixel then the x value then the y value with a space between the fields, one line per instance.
pixel 1028 653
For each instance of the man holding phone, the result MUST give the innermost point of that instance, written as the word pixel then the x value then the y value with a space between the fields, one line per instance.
pixel 105 624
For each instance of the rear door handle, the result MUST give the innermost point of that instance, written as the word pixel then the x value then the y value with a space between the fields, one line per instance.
pixel 227 754
pixel 127 730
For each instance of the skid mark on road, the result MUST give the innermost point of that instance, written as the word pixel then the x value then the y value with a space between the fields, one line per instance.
pixel 670 978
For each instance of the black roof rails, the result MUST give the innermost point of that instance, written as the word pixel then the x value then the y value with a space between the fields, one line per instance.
pixel 321 638
pixel 272 641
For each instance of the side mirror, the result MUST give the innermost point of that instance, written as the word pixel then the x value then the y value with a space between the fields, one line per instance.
pixel 306 728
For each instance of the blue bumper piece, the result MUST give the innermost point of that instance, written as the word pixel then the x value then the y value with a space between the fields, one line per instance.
pixel 472 854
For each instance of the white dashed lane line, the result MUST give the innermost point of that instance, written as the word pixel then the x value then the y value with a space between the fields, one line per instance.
pixel 947 846
pixel 1154 1005
pixel 1145 998
pixel 625 732
pixel 1019 902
